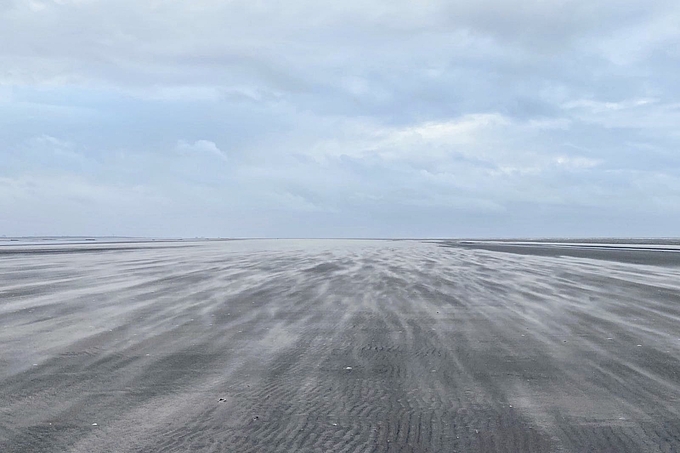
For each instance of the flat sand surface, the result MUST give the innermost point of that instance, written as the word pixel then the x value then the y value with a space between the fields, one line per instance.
pixel 338 346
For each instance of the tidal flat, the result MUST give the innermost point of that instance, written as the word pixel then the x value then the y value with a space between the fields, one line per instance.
pixel 339 346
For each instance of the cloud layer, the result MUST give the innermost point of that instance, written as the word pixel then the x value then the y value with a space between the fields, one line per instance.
pixel 301 118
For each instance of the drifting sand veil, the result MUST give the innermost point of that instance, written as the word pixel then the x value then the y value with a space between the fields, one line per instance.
pixel 343 346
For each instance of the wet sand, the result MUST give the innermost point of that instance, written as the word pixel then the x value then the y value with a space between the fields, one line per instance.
pixel 338 346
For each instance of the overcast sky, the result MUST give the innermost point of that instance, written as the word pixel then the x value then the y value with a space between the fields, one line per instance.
pixel 371 118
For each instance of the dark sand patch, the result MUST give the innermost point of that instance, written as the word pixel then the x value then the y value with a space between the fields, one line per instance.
pixel 651 254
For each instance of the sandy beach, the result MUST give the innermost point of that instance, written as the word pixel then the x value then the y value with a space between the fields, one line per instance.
pixel 338 346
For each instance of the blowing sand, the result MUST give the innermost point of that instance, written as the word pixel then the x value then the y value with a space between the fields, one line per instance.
pixel 338 346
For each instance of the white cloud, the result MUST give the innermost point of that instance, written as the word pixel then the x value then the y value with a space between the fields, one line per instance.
pixel 594 106
pixel 47 141
pixel 178 93
pixel 490 139
pixel 638 113
pixel 200 147
pixel 577 162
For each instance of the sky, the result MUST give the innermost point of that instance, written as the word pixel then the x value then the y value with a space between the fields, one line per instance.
pixel 371 118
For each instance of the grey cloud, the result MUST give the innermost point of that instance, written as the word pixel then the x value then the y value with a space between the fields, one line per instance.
pixel 353 118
